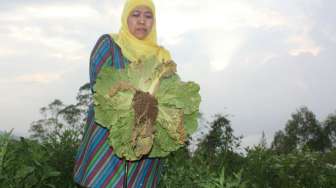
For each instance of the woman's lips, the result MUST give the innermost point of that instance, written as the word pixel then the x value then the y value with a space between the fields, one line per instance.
pixel 141 30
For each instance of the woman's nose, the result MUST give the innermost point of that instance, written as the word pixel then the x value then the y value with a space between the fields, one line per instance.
pixel 141 20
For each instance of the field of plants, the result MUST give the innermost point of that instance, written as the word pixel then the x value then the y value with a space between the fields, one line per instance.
pixel 301 155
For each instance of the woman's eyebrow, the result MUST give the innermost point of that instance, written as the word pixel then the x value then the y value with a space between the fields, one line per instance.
pixel 145 12
pixel 148 12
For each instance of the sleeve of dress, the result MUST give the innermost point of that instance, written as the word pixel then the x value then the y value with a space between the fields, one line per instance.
pixel 99 56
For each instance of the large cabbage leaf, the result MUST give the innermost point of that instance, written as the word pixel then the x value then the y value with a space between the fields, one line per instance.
pixel 131 134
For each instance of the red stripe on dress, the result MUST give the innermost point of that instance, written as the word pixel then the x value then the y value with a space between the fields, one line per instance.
pixel 109 178
pixel 88 130
pixel 98 166
pixel 148 172
pixel 120 183
pixel 96 46
pixel 156 177
pixel 122 65
pixel 89 133
pixel 99 65
pixel 90 115
pixel 101 142
pixel 112 52
pixel 135 173
pixel 158 173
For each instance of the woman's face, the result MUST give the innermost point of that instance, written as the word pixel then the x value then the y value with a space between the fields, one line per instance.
pixel 140 22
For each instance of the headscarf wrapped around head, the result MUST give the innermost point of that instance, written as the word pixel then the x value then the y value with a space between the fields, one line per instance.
pixel 134 49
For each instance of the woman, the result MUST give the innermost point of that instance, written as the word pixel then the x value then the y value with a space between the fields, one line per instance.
pixel 96 166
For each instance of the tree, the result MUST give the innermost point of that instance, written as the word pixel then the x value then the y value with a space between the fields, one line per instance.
pixel 220 137
pixel 281 143
pixel 263 141
pixel 330 130
pixel 60 131
pixel 217 149
pixel 59 119
pixel 303 131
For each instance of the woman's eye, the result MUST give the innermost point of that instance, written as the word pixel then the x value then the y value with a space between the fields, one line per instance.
pixel 135 14
pixel 149 16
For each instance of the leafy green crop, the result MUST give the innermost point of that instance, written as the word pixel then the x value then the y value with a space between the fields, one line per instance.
pixel 4 139
pixel 167 114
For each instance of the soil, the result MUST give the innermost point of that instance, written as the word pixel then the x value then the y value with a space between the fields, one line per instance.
pixel 145 107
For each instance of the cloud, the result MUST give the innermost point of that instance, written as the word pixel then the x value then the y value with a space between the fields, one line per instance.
pixel 42 78
pixel 261 71
pixel 62 30
pixel 255 60
pixel 43 25
pixel 75 11
pixel 47 12
pixel 5 52
pixel 223 24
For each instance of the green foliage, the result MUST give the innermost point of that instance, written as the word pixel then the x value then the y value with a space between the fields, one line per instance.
pixel 179 171
pixel 205 167
pixel 4 140
pixel 330 130
pixel 297 169
pixel 178 105
pixel 302 155
pixel 303 132
pixel 26 164
pixel 257 166
pixel 222 181
pixel 59 132
pixel 218 147
pixel 217 164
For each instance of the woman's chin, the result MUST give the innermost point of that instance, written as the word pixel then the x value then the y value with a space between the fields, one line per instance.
pixel 140 36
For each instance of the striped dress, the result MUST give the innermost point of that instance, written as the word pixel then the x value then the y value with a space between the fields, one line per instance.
pixel 96 165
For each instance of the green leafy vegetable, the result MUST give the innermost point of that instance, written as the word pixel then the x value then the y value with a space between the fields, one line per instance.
pixel 146 107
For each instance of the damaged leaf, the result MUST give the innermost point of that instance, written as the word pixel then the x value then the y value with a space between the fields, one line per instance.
pixel 146 107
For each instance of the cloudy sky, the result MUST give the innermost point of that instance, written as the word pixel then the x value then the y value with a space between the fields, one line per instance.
pixel 257 61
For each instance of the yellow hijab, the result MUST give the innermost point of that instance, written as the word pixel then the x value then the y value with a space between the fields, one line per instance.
pixel 134 49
